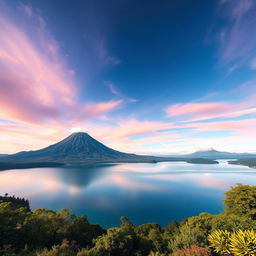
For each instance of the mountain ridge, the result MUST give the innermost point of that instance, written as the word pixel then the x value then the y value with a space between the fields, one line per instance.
pixel 77 147
pixel 215 154
pixel 212 154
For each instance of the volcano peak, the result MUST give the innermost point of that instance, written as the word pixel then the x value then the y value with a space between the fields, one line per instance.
pixel 77 147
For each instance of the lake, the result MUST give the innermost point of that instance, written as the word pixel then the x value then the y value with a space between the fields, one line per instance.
pixel 143 192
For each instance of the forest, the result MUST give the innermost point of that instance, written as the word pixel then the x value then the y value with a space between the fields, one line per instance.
pixel 43 232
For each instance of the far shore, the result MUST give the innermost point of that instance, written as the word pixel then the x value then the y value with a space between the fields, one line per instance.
pixel 251 163
pixel 28 165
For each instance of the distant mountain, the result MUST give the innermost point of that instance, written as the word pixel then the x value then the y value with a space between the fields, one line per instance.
pixel 214 154
pixel 76 148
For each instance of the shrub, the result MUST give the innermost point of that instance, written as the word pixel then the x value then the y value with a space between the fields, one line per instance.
pixel 65 249
pixel 243 243
pixel 186 238
pixel 220 241
pixel 239 243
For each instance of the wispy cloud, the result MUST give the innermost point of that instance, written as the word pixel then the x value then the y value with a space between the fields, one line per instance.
pixel 237 39
pixel 126 128
pixel 113 89
pixel 36 83
pixel 253 63
pixel 203 110
pixel 93 110
pixel 190 112
pixel 104 55
pixel 235 126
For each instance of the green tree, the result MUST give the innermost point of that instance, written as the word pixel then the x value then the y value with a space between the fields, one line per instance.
pixel 241 200
pixel 151 237
pixel 11 220
pixel 115 242
pixel 83 232
pixel 44 228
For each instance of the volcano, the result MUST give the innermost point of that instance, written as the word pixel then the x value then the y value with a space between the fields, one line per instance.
pixel 77 148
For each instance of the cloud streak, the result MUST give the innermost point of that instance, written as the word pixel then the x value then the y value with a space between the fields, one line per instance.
pixel 37 85
pixel 190 112
pixel 112 88
pixel 235 126
pixel 236 38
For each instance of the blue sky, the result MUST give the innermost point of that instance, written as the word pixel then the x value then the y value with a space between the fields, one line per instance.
pixel 140 76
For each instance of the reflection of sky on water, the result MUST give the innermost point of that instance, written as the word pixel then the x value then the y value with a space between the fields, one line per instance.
pixel 144 192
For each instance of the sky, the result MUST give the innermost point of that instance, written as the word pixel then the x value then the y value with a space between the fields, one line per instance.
pixel 145 76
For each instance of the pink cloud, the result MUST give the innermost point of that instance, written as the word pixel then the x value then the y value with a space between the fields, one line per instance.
pixel 92 110
pixel 244 126
pixel 199 110
pixel 36 84
pixel 133 127
pixel 190 112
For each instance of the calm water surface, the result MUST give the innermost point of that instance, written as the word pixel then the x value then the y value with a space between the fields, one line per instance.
pixel 143 192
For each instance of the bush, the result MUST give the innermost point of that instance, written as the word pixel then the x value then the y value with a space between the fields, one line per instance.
pixel 243 243
pixel 239 243
pixel 65 249
pixel 186 238
pixel 220 241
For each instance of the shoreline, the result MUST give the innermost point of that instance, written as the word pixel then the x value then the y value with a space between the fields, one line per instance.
pixel 29 165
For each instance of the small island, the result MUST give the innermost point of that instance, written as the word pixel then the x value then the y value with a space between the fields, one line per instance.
pixel 250 162
pixel 201 161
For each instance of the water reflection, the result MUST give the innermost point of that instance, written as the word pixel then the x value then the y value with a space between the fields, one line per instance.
pixel 144 192
pixel 80 176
